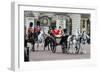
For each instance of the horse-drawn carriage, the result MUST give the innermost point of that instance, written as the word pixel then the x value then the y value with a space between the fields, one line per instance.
pixel 62 41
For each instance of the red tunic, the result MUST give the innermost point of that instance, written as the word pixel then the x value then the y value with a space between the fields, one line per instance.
pixel 56 32
pixel 37 29
pixel 30 30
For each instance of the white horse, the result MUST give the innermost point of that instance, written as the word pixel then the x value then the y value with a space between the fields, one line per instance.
pixel 84 37
pixel 41 38
pixel 74 42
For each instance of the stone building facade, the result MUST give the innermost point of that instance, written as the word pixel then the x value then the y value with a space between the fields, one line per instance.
pixel 69 21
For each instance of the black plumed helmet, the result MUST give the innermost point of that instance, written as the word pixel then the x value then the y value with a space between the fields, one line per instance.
pixel 31 24
pixel 38 22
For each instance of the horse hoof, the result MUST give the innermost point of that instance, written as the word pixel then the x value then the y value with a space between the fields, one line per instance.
pixel 32 50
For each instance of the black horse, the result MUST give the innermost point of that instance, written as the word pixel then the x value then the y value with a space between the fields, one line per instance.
pixel 26 51
pixel 30 39
pixel 63 43
pixel 49 41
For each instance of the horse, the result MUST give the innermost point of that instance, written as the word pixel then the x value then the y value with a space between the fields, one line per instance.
pixel 64 42
pixel 47 42
pixel 30 41
pixel 28 45
pixel 85 38
pixel 41 38
pixel 76 41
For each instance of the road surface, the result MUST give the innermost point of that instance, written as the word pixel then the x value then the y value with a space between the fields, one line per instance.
pixel 41 55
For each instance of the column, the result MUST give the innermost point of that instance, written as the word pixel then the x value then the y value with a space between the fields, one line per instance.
pixel 76 21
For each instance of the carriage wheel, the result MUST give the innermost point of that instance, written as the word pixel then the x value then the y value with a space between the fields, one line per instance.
pixel 53 48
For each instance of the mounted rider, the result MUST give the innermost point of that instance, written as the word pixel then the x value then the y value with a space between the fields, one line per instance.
pixel 37 30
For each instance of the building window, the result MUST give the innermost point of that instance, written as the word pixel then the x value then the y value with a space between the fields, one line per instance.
pixel 83 24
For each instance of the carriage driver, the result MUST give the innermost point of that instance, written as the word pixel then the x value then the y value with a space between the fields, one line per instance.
pixel 61 32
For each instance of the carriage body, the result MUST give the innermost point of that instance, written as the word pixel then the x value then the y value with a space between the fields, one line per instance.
pixel 58 40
